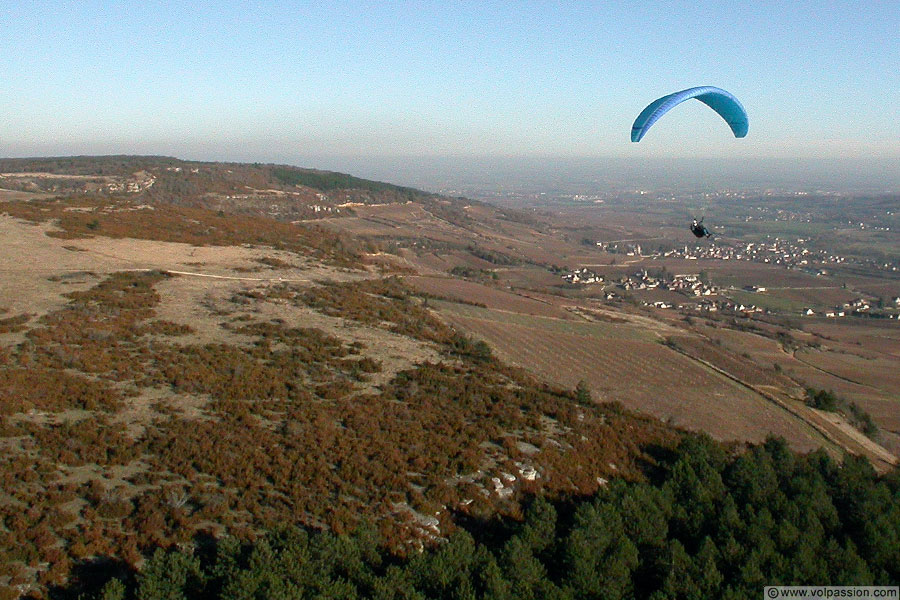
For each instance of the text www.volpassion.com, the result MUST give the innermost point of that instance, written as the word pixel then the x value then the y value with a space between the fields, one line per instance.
pixel 858 592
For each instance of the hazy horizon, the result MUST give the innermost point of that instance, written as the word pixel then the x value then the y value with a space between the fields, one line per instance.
pixel 490 175
pixel 604 174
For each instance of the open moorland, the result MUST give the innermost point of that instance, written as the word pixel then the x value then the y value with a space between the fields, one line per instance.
pixel 204 349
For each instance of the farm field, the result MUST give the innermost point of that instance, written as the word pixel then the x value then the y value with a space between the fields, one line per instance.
pixel 765 352
pixel 425 263
pixel 871 383
pixel 883 406
pixel 823 296
pixel 865 336
pixel 398 220
pixel 595 329
pixel 876 287
pixel 640 373
pixel 769 300
pixel 469 291
pixel 729 361
pixel 752 358
pixel 356 226
pixel 466 259
pixel 809 366
pixel 529 277
pixel 668 296
pixel 879 373
pixel 740 273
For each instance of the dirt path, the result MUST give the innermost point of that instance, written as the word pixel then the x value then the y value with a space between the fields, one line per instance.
pixel 817 287
pixel 232 278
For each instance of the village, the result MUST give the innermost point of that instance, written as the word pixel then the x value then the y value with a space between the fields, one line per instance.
pixel 791 254
pixel 778 251
pixel 691 285
pixel 708 297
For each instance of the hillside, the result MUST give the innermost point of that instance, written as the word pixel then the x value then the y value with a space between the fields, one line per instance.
pixel 170 370
pixel 282 192
pixel 192 351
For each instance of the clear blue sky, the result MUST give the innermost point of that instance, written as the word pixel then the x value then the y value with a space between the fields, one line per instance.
pixel 268 80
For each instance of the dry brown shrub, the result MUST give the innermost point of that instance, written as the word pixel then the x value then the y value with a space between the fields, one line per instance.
pixel 9 592
pixel 14 324
pixel 373 302
pixel 89 441
pixel 275 263
pixel 53 390
pixel 168 328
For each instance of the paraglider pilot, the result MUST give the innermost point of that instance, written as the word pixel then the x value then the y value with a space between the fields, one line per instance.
pixel 699 229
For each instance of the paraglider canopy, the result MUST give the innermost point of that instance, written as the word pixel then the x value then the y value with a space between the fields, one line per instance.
pixel 728 107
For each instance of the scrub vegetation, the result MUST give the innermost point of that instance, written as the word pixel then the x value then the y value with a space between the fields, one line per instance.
pixel 287 430
pixel 89 217
pixel 705 524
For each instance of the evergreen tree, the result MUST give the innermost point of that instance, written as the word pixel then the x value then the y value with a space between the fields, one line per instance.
pixel 526 574
pixel 600 557
pixel 170 576
pixel 114 589
pixel 583 392
pixel 539 530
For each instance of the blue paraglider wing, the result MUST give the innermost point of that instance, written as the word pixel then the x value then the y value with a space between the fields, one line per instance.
pixel 728 107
